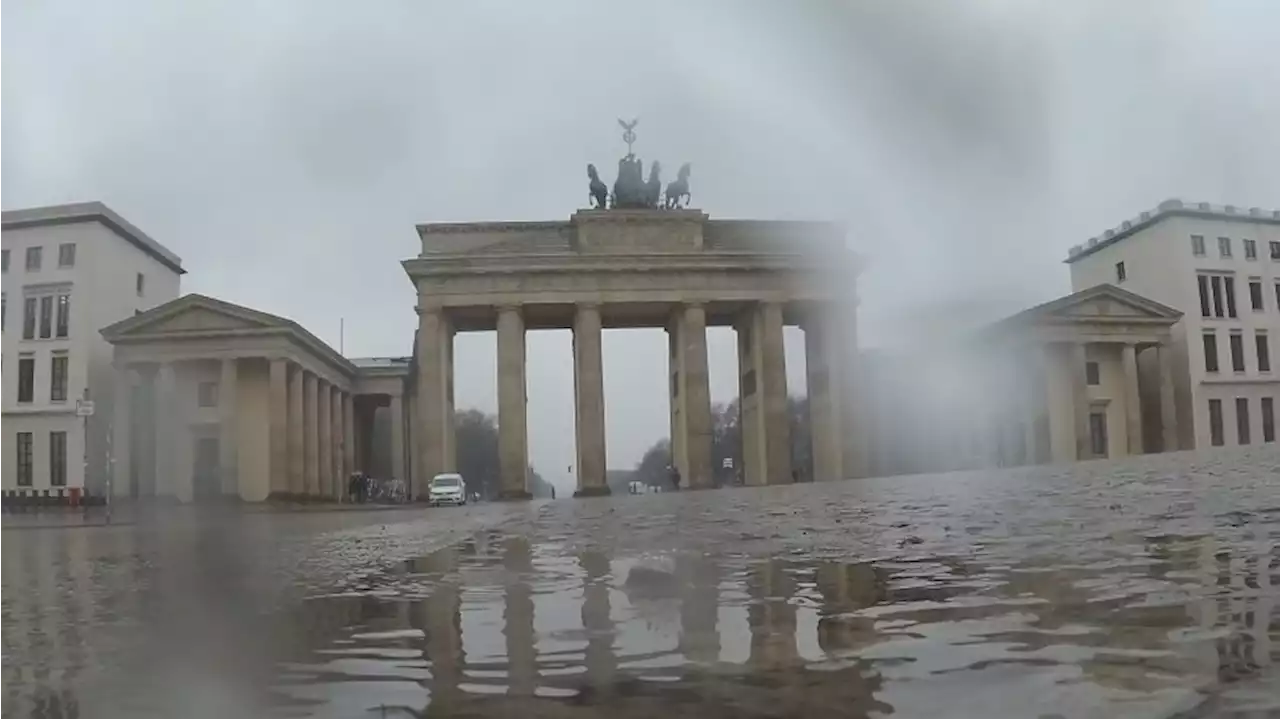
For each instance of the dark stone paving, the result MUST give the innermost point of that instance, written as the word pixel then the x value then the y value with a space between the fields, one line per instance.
pixel 1139 588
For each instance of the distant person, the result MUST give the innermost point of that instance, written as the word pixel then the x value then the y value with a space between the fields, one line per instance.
pixel 353 487
pixel 675 478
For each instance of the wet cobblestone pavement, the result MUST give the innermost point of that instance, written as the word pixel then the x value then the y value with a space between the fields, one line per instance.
pixel 1145 588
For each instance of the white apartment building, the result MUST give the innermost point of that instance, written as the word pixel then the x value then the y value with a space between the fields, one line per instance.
pixel 69 270
pixel 1220 266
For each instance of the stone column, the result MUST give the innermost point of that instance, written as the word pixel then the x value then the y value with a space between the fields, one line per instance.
pixel 348 440
pixel 1132 403
pixel 678 460
pixel 823 375
pixel 397 437
pixel 337 481
pixel 278 424
pixel 121 433
pixel 311 435
pixel 1168 410
pixel 1080 400
pixel 297 473
pixel 229 439
pixel 776 410
pixel 695 397
pixel 750 406
pixel 324 439
pixel 588 392
pixel 513 449
pixel 167 425
pixel 435 393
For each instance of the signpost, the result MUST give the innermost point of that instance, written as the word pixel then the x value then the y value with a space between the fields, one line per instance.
pixel 84 410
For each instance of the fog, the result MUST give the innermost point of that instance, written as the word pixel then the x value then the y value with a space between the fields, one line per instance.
pixel 286 153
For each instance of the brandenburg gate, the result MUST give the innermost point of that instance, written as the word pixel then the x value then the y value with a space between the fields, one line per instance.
pixel 634 261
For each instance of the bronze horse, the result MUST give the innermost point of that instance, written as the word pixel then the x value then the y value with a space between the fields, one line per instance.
pixel 679 188
pixel 653 188
pixel 598 191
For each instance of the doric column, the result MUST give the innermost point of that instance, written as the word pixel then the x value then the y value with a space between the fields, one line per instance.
pixel 337 480
pixel 1132 402
pixel 167 426
pixel 397 437
pixel 278 401
pixel 1168 410
pixel 297 473
pixel 675 400
pixel 823 377
pixel 435 395
pixel 311 436
pixel 695 397
pixel 121 434
pixel 348 440
pixel 324 438
pixel 229 439
pixel 1080 400
pixel 513 447
pixel 750 405
pixel 588 392
pixel 762 396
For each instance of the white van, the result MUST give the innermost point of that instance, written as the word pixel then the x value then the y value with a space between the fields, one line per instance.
pixel 448 488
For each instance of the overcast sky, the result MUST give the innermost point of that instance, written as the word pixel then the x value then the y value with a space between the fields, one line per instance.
pixel 286 149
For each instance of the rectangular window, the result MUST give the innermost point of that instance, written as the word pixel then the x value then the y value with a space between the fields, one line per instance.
pixel 140 284
pixel 4 259
pixel 1215 422
pixel 1236 342
pixel 1275 249
pixel 1263 346
pixel 1098 433
pixel 67 254
pixel 1268 419
pixel 1242 419
pixel 1120 273
pixel 1255 295
pixel 1229 289
pixel 57 459
pixel 58 378
pixel 1210 352
pixel 1091 374
pixel 207 394
pixel 4 312
pixel 64 315
pixel 1250 249
pixel 35 256
pixel 46 317
pixel 1224 246
pixel 1215 283
pixel 1197 245
pixel 26 379
pixel 24 458
pixel 1206 308
pixel 28 318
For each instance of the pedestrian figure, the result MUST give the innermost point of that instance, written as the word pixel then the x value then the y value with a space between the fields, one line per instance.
pixel 353 487
pixel 675 478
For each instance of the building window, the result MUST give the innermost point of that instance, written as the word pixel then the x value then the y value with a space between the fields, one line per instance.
pixel 1255 295
pixel 1120 273
pixel 57 459
pixel 64 315
pixel 1236 342
pixel 24 459
pixel 67 254
pixel 4 260
pixel 1242 419
pixel 1268 419
pixel 35 255
pixel 1210 352
pixel 1275 249
pixel 1229 289
pixel 207 394
pixel 46 317
pixel 1224 246
pixel 1250 249
pixel 1091 374
pixel 4 312
pixel 58 378
pixel 1217 295
pixel 1098 433
pixel 1264 351
pixel 1215 422
pixel 1206 308
pixel 1197 245
pixel 28 318
pixel 140 284
pixel 26 379
pixel 1215 282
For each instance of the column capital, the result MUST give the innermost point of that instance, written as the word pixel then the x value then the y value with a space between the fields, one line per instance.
pixel 509 307
pixel 587 306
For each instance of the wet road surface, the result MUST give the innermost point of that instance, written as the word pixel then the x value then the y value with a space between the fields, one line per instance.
pixel 1145 588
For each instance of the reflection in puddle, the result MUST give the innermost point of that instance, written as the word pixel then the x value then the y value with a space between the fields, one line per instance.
pixel 497 622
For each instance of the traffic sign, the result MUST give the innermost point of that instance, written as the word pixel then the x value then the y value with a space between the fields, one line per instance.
pixel 84 408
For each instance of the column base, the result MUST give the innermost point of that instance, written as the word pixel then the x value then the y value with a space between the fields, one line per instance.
pixel 508 494
pixel 594 492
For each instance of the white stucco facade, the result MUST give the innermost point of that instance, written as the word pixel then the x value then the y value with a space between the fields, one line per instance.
pixel 1162 260
pixel 113 272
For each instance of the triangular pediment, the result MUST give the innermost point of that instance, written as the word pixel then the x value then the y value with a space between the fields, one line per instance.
pixel 1106 302
pixel 193 314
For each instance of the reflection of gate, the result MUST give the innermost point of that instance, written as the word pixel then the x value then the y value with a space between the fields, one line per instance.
pixel 205 475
